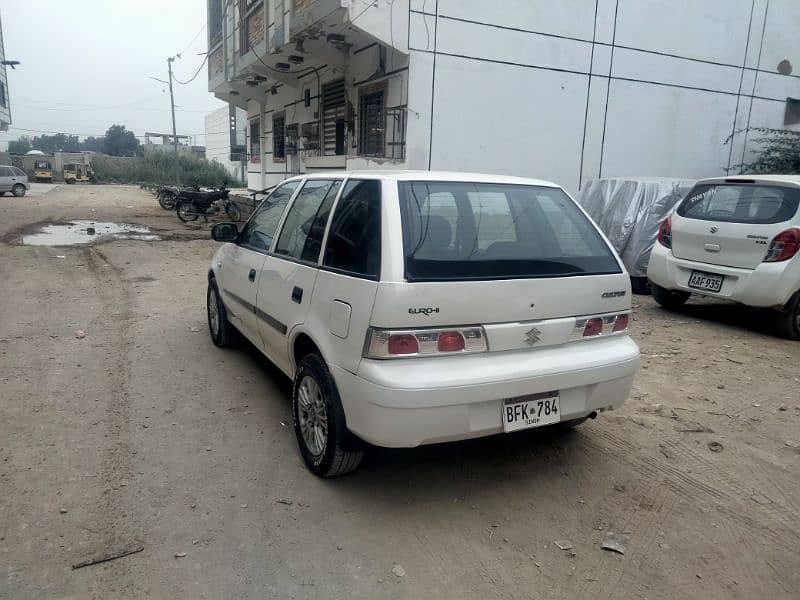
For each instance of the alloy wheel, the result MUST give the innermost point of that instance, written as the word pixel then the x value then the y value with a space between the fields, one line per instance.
pixel 312 416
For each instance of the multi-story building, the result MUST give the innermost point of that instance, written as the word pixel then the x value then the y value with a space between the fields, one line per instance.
pixel 565 91
pixel 5 102
pixel 225 140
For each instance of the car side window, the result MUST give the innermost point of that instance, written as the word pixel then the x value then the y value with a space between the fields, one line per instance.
pixel 301 236
pixel 18 172
pixel 354 240
pixel 6 172
pixel 257 234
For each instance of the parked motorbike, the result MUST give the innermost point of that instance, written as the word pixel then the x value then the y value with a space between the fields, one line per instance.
pixel 168 194
pixel 191 204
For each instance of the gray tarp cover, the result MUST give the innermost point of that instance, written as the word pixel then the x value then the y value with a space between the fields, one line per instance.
pixel 629 211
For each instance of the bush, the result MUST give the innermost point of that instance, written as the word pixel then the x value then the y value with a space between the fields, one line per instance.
pixel 778 153
pixel 158 168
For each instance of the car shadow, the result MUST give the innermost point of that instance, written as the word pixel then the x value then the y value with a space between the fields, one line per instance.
pixel 756 320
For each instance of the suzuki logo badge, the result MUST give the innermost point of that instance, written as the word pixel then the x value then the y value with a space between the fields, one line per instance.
pixel 533 336
pixel 714 229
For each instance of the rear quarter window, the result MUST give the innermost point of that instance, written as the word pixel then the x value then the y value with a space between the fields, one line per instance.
pixel 742 203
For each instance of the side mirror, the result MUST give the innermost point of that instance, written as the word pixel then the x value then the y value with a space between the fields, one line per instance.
pixel 224 232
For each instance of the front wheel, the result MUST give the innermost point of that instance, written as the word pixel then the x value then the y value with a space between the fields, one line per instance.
pixel 319 424
pixel 669 299
pixel 18 190
pixel 222 332
pixel 232 210
pixel 186 211
pixel 789 319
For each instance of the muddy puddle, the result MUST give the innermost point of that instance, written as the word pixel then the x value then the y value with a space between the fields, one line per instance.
pixel 77 233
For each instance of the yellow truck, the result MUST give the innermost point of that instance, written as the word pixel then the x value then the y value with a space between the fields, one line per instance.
pixel 43 171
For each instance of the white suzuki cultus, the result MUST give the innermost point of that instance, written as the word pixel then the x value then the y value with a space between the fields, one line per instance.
pixel 419 307
pixel 736 238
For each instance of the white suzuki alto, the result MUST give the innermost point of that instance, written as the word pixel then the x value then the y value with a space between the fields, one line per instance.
pixel 419 307
pixel 735 238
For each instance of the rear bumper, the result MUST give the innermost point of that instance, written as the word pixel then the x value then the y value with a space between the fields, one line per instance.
pixel 768 285
pixel 406 403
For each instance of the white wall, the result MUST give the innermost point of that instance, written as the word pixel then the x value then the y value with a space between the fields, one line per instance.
pixel 218 139
pixel 577 89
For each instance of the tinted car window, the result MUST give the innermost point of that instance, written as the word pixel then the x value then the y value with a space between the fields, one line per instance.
pixel 497 231
pixel 257 234
pixel 757 204
pixel 312 205
pixel 354 240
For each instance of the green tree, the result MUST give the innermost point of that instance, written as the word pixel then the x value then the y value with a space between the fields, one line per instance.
pixel 118 141
pixel 95 144
pixel 20 146
pixel 778 152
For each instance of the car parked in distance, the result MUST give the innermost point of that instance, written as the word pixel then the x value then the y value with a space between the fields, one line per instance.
pixel 418 307
pixel 735 238
pixel 14 180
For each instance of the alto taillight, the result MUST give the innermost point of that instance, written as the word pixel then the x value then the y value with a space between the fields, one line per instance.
pixel 665 233
pixel 784 246
pixel 384 343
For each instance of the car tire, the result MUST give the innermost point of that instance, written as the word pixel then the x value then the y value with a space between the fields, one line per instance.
pixel 319 422
pixel 789 319
pixel 18 190
pixel 222 332
pixel 670 299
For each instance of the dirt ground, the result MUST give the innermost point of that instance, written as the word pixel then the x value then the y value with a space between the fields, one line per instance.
pixel 145 433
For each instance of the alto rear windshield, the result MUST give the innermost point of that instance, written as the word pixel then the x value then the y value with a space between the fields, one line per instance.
pixel 459 230
pixel 740 203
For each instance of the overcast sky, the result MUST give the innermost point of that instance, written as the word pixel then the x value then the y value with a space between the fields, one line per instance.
pixel 86 63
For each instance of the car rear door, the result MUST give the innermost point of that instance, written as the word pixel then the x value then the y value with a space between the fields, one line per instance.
pixel 6 175
pixel 289 273
pixel 732 224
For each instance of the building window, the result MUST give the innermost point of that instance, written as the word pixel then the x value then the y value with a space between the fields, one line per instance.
pixel 278 137
pixel 214 22
pixel 3 101
pixel 371 122
pixel 255 140
pixel 333 112
pixel 792 115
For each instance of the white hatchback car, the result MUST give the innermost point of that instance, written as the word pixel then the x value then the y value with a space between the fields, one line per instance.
pixel 735 238
pixel 419 307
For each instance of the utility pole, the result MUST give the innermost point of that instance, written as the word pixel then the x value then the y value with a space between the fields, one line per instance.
pixel 174 130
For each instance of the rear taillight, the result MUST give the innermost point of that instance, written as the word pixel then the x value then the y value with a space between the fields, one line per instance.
pixel 620 323
pixel 665 233
pixel 784 246
pixel 590 327
pixel 386 343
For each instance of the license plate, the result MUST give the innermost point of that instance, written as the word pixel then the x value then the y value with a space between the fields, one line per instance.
pixel 535 410
pixel 705 281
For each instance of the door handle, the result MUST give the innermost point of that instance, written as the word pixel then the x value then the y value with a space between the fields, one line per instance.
pixel 252 275
pixel 297 294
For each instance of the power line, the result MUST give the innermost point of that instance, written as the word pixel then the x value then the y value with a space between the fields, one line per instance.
pixel 194 38
pixel 193 76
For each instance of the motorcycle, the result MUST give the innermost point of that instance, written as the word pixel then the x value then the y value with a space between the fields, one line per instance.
pixel 191 204
pixel 168 194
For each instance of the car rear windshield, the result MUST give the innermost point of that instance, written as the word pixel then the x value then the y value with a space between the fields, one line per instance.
pixel 740 203
pixel 459 230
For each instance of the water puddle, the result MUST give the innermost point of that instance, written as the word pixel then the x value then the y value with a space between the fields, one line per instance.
pixel 78 233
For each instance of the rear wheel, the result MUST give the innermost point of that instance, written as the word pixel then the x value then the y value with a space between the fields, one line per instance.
pixel 166 199
pixel 18 190
pixel 186 211
pixel 232 210
pixel 319 421
pixel 789 319
pixel 670 299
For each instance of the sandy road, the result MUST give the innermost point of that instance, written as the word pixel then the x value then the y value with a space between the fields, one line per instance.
pixel 144 430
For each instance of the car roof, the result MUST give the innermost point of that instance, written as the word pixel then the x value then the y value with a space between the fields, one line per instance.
pixel 770 179
pixel 400 175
